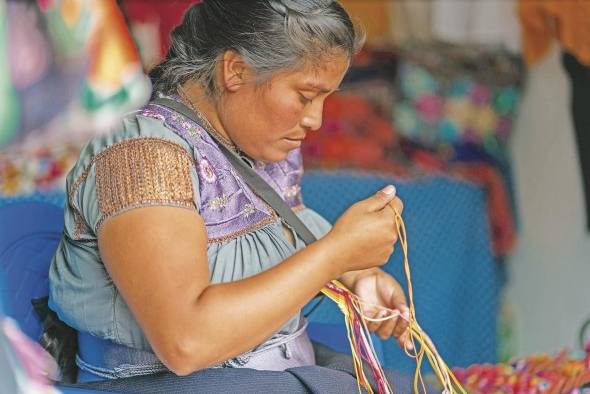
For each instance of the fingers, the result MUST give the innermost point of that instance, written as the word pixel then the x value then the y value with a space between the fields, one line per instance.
pixel 373 313
pixel 405 342
pixel 379 200
pixel 387 328
pixel 399 302
pixel 397 205
pixel 402 324
pixel 402 332
pixel 396 327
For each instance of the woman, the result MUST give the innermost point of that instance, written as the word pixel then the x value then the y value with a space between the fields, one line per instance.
pixel 170 264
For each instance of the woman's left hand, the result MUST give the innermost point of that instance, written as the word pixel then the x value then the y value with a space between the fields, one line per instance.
pixel 377 287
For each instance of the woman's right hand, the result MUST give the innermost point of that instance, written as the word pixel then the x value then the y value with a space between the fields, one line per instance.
pixel 364 236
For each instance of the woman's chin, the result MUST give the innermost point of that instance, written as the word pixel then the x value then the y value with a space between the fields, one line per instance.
pixel 275 154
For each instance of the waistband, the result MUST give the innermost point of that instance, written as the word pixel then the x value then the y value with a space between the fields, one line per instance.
pixel 109 360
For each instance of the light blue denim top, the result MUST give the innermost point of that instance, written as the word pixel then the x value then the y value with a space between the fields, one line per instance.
pixel 147 161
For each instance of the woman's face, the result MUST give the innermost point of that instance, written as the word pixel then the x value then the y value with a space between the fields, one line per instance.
pixel 268 120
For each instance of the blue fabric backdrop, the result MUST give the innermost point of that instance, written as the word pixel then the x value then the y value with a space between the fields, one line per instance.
pixel 454 274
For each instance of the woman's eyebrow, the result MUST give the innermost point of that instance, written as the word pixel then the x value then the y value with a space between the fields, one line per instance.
pixel 320 88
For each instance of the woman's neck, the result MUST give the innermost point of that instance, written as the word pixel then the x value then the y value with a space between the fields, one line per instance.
pixel 198 99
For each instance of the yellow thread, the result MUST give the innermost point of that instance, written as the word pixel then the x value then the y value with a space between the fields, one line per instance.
pixel 422 344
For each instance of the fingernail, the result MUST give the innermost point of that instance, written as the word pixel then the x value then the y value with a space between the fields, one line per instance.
pixel 409 345
pixel 389 190
pixel 406 315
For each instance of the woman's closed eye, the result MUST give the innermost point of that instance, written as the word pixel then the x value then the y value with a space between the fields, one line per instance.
pixel 305 99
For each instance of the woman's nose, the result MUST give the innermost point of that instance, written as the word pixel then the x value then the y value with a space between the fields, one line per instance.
pixel 312 119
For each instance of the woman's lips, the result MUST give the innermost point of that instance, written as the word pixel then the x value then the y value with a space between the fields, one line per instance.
pixel 294 141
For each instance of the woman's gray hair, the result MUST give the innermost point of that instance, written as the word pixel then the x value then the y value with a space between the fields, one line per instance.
pixel 270 35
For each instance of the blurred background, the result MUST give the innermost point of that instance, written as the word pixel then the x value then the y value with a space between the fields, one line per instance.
pixel 478 110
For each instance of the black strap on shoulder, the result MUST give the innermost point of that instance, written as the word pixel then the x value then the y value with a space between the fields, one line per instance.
pixel 252 179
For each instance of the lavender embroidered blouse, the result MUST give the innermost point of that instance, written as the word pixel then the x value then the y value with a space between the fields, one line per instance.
pixel 158 157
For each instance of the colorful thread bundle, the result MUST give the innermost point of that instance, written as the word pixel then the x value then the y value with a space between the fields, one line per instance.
pixel 535 374
pixel 360 339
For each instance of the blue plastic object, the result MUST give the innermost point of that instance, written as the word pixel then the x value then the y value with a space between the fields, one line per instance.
pixel 30 228
pixel 29 233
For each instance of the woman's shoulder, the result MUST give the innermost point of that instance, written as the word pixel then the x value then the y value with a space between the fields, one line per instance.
pixel 135 131
pixel 137 125
pixel 140 162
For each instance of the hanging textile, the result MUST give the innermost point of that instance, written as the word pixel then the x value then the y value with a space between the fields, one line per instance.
pixel 580 103
pixel 64 61
pixel 563 20
pixel 458 104
pixel 375 18
pixel 151 22
pixel 68 68
pixel 411 21
pixel 468 22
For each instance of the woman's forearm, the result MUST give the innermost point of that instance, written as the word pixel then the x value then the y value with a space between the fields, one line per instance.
pixel 230 318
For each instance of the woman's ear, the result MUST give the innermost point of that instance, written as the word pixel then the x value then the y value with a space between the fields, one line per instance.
pixel 234 71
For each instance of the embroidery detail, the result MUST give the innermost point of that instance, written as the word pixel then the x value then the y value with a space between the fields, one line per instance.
pixel 229 207
pixel 152 114
pixel 79 222
pixel 291 192
pixel 218 203
pixel 250 229
pixel 248 210
pixel 236 362
pixel 142 172
pixel 206 171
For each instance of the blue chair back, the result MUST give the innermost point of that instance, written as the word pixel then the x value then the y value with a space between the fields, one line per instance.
pixel 30 229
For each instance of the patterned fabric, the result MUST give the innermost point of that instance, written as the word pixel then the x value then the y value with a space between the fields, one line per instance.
pixel 228 206
pixel 41 169
pixel 456 110
pixel 285 177
pixel 142 172
pixel 443 103
pixel 539 373
pixel 353 135
pixel 63 67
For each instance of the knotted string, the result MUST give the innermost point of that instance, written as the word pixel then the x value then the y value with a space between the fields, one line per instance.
pixel 360 339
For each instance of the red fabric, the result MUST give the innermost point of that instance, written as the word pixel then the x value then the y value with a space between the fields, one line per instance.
pixel 500 215
pixel 499 209
pixel 355 135
pixel 167 14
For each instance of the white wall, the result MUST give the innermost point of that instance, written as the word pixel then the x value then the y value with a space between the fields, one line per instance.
pixel 550 269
